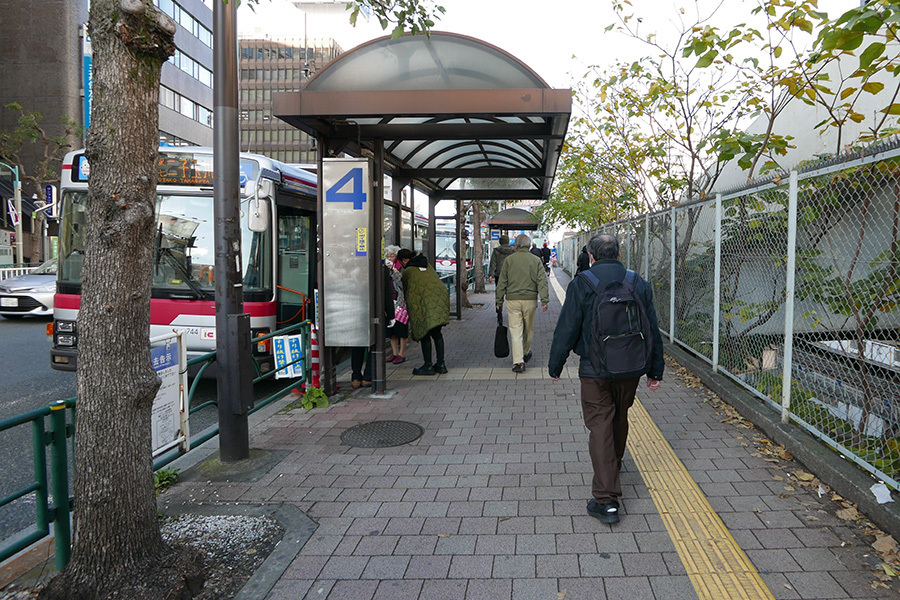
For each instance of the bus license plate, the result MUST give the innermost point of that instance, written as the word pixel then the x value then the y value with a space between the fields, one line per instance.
pixel 9 301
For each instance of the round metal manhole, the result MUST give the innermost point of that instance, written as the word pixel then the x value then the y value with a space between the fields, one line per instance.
pixel 381 434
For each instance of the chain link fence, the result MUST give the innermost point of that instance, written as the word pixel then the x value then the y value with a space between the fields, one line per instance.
pixel 791 288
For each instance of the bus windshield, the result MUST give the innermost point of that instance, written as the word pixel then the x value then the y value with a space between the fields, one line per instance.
pixel 184 248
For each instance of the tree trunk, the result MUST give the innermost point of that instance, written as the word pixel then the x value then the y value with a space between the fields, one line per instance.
pixel 116 532
pixel 478 254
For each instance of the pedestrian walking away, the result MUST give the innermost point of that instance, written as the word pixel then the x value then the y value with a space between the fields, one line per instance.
pixel 522 280
pixel 545 257
pixel 428 305
pixel 584 261
pixel 498 255
pixel 608 319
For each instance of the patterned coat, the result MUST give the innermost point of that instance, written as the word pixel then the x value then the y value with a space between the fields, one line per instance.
pixel 427 298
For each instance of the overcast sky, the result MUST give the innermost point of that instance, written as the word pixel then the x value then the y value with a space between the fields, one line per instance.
pixel 556 38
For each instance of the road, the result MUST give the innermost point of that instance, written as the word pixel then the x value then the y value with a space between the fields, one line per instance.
pixel 29 383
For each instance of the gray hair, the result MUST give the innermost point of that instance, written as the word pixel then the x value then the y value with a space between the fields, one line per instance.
pixel 523 241
pixel 604 246
pixel 391 250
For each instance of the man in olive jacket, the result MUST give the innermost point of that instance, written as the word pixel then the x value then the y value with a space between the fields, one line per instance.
pixel 522 279
pixel 604 402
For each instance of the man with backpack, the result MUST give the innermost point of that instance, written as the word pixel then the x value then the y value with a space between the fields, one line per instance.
pixel 608 319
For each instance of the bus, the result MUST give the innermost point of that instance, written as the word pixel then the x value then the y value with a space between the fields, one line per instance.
pixel 278 250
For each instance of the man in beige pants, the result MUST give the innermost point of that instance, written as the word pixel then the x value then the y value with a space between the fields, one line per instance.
pixel 522 280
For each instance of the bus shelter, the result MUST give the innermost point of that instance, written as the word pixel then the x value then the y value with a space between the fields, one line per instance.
pixel 445 115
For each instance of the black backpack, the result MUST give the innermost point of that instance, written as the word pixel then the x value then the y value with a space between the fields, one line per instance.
pixel 620 341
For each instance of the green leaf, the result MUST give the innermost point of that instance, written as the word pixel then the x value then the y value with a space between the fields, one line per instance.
pixel 874 50
pixel 846 93
pixel 893 109
pixel 707 59
pixel 873 87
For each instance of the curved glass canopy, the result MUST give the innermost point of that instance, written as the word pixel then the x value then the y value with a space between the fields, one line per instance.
pixel 446 107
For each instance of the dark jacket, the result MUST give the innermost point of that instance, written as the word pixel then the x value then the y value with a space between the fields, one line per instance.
pixel 573 330
pixel 536 251
pixel 427 298
pixel 583 263
pixel 545 255
pixel 497 257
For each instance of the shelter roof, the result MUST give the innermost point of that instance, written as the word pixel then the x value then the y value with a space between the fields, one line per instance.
pixel 513 218
pixel 455 114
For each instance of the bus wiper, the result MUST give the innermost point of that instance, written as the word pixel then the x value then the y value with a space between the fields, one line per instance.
pixel 182 270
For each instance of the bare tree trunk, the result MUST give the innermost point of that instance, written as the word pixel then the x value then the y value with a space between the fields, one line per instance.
pixel 117 539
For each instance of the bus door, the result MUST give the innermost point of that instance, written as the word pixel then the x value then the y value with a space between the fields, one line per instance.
pixel 296 266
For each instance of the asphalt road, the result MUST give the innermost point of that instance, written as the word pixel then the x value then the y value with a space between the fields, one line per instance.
pixel 29 383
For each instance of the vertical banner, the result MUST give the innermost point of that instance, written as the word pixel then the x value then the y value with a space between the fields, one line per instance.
pixel 288 351
pixel 346 244
pixel 88 75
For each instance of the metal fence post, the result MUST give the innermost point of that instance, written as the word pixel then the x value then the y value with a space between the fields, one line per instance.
pixel 717 285
pixel 789 300
pixel 646 272
pixel 59 469
pixel 672 282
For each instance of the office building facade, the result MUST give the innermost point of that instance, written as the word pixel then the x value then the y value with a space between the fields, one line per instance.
pixel 276 65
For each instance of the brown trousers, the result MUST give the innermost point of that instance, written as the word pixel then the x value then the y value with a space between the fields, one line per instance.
pixel 605 406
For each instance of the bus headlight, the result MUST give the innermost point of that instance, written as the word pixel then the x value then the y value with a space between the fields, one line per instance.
pixel 65 340
pixel 65 326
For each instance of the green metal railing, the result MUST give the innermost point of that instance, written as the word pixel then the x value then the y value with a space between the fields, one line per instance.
pixel 53 425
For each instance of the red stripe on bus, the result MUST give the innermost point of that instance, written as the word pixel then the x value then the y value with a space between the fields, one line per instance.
pixel 163 311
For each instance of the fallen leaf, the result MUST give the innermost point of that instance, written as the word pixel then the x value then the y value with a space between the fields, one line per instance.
pixel 847 514
pixel 888 570
pixel 885 545
pixel 804 476
pixel 443 535
pixel 561 595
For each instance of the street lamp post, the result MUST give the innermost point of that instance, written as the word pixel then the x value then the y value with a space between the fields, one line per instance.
pixel 17 199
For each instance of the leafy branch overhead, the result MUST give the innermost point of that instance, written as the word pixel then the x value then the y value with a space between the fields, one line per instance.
pixel 414 16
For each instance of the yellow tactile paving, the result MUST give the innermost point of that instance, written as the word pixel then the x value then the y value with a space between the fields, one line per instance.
pixel 716 565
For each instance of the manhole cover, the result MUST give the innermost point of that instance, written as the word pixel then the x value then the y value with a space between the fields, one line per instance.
pixel 381 434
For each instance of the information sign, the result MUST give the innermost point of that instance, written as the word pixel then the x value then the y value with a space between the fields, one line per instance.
pixel 165 418
pixel 288 351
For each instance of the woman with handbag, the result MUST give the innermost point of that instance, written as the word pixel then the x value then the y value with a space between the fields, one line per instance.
pixel 399 330
pixel 428 303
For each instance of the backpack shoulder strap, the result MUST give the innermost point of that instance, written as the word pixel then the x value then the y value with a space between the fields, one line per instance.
pixel 592 279
pixel 629 276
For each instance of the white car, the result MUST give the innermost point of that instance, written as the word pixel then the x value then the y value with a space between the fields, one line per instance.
pixel 29 294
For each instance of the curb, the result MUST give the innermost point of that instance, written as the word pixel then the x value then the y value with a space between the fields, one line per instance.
pixel 842 475
pixel 298 528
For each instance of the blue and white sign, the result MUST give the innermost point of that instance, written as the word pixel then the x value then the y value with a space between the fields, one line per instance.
pixel 347 243
pixel 50 198
pixel 288 350
pixel 165 418
pixel 88 78
pixel 495 235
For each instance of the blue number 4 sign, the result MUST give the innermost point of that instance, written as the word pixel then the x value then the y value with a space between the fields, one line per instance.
pixel 357 196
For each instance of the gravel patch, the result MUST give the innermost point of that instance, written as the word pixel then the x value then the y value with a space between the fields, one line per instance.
pixel 233 548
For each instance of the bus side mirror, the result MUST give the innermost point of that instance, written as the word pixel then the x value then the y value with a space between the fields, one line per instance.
pixel 258 215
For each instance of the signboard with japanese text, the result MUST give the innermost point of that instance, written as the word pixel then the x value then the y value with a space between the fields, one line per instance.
pixel 346 247
pixel 288 351
pixel 168 417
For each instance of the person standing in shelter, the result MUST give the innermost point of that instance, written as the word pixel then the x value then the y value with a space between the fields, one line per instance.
pixel 399 331
pixel 584 261
pixel 605 397
pixel 428 304
pixel 522 280
pixel 497 257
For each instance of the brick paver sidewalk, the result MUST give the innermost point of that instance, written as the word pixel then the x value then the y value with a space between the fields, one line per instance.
pixel 490 502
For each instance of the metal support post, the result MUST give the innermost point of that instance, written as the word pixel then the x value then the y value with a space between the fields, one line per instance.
pixel 17 199
pixel 790 266
pixel 462 274
pixel 674 240
pixel 232 326
pixel 376 262
pixel 717 285
pixel 59 468
pixel 647 247
pixel 327 375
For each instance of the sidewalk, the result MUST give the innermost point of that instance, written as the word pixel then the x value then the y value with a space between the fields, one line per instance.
pixel 489 503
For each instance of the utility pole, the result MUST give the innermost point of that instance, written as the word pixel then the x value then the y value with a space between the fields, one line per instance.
pixel 234 377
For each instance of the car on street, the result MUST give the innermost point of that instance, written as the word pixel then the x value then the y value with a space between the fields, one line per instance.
pixel 30 294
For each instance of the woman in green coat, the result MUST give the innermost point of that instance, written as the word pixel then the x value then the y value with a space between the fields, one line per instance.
pixel 428 305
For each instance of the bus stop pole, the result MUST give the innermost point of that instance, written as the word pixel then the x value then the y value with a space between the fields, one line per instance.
pixel 377 267
pixel 235 386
